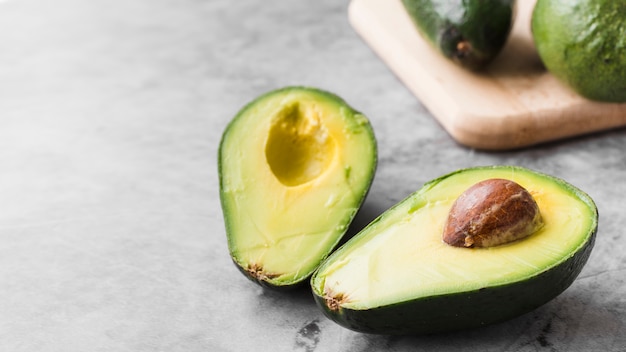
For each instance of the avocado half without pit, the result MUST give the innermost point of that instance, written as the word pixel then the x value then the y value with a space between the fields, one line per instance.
pixel 471 248
pixel 294 166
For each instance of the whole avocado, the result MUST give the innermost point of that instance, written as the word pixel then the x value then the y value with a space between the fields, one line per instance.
pixel 469 32
pixel 583 44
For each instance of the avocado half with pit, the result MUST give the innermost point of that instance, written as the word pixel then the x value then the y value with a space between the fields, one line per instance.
pixel 399 276
pixel 295 165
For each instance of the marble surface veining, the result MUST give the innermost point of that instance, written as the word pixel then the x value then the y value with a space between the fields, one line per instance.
pixel 111 231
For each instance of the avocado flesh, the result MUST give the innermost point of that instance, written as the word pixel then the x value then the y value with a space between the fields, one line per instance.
pixel 295 166
pixel 400 264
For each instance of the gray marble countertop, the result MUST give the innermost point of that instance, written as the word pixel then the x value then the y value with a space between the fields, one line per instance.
pixel 111 231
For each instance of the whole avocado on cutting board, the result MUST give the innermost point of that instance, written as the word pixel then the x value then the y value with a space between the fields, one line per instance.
pixel 470 33
pixel 583 44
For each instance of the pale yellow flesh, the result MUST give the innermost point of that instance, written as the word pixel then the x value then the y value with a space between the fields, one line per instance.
pixel 293 182
pixel 403 256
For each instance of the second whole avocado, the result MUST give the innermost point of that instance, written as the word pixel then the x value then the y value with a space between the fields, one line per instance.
pixel 582 43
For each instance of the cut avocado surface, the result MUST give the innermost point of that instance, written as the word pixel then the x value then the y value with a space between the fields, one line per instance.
pixel 294 166
pixel 397 276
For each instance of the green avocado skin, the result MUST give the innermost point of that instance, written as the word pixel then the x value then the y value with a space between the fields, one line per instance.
pixel 481 26
pixel 473 309
pixel 583 44
pixel 465 310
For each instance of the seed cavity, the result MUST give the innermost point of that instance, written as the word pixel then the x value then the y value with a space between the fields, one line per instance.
pixel 299 147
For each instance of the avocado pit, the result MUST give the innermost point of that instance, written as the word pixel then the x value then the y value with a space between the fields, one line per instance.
pixel 491 213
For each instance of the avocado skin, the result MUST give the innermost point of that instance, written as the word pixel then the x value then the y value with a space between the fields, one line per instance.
pixel 321 95
pixel 471 309
pixel 463 310
pixel 582 43
pixel 483 24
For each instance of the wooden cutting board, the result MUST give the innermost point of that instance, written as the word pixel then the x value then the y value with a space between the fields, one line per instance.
pixel 514 103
